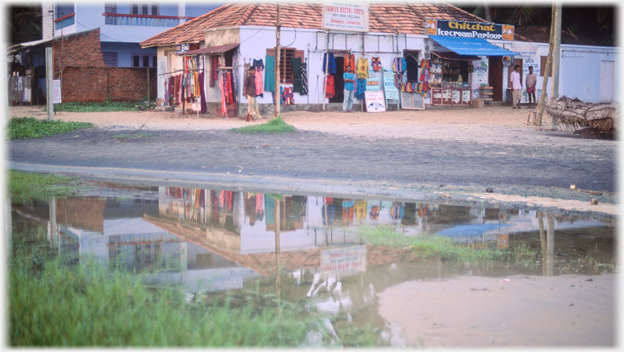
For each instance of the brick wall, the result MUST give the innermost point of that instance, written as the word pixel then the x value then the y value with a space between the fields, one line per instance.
pixel 85 84
pixel 86 78
pixel 126 84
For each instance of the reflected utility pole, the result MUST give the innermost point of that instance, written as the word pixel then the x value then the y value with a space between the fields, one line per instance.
pixel 550 246
pixel 277 254
pixel 53 230
pixel 277 61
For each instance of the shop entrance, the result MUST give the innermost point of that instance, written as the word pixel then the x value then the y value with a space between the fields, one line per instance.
pixel 495 77
pixel 338 81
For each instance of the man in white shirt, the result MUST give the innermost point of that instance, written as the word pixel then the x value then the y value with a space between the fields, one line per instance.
pixel 516 87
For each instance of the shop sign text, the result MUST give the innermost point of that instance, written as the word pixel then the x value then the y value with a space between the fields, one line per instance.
pixel 345 17
pixel 465 29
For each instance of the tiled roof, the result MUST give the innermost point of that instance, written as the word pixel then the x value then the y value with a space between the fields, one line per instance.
pixel 405 18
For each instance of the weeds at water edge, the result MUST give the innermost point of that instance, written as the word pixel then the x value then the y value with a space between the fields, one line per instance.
pixel 25 187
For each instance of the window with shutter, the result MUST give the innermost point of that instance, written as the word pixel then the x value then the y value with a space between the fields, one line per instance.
pixel 285 66
pixel 543 60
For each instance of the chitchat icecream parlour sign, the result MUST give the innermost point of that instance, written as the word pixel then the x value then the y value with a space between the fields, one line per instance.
pixel 469 29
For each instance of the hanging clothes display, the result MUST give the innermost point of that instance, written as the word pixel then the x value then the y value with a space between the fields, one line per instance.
pixel 330 91
pixel 287 95
pixel 222 86
pixel 362 68
pixel 304 78
pixel 361 88
pixel 329 63
pixel 349 60
pixel 376 62
pixel 202 94
pixel 259 65
pixel 269 74
pixel 214 73
pixel 295 62
pixel 234 77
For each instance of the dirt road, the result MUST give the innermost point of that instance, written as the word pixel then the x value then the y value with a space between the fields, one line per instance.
pixel 448 154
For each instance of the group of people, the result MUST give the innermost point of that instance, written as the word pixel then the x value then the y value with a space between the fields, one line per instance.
pixel 516 87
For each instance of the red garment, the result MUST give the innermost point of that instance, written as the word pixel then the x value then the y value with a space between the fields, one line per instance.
pixel 229 87
pixel 349 60
pixel 330 91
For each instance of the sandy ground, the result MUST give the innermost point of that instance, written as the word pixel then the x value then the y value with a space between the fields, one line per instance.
pixel 519 311
pixel 405 123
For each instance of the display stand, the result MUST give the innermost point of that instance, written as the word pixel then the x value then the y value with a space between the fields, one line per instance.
pixel 486 93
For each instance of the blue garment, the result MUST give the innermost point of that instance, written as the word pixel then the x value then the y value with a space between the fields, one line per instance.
pixel 330 63
pixel 361 88
pixel 348 85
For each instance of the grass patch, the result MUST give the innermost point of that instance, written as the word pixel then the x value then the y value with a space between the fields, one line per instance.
pixel 53 304
pixel 132 135
pixel 428 246
pixel 99 107
pixel 274 126
pixel 30 127
pixel 25 188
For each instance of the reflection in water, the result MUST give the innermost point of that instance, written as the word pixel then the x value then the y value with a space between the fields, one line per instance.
pixel 211 240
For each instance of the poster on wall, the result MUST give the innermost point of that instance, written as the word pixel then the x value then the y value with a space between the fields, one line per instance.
pixel 352 17
pixel 56 91
pixel 375 101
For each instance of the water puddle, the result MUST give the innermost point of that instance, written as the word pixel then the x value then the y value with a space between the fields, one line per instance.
pixel 328 254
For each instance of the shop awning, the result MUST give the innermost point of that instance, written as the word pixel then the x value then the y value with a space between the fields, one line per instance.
pixel 209 50
pixel 450 55
pixel 471 46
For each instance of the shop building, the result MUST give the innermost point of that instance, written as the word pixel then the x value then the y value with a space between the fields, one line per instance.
pixel 202 63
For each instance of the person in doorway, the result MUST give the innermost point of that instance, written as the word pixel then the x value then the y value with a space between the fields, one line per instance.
pixel 531 82
pixel 516 87
pixel 249 87
pixel 349 89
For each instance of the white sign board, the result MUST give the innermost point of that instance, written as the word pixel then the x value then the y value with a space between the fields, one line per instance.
pixel 343 261
pixel 56 91
pixel 372 82
pixel 349 17
pixel 375 101
pixel 392 93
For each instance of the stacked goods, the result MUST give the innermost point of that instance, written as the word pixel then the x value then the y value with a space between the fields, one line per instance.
pixel 575 114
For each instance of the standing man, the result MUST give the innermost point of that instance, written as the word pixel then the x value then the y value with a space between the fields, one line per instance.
pixel 249 87
pixel 349 89
pixel 516 87
pixel 531 82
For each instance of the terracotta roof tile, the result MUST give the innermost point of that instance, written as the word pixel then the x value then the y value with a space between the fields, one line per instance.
pixel 405 18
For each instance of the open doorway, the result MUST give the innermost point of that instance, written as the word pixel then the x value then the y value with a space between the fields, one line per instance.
pixel 338 80
pixel 495 77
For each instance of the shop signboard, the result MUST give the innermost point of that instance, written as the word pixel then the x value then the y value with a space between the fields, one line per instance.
pixel 375 101
pixel 343 261
pixel 464 29
pixel 348 17
pixel 372 82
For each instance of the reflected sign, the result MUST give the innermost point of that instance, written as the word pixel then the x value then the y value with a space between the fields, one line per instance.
pixel 343 261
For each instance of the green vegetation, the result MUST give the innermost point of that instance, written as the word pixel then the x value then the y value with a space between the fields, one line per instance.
pixel 99 107
pixel 132 135
pixel 441 247
pixel 52 303
pixel 24 187
pixel 30 127
pixel 274 126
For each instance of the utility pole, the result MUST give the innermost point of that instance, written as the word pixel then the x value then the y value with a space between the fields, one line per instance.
pixel 540 105
pixel 277 61
pixel 556 57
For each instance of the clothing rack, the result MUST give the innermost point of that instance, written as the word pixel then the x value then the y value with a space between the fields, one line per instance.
pixel 183 70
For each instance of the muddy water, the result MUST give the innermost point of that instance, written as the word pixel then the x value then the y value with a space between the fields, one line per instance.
pixel 212 241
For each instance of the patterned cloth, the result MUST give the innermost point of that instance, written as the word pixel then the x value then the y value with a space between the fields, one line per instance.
pixel 362 68
pixel 304 78
pixel 259 85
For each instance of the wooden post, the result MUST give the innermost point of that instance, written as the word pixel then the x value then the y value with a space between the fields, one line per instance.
pixel 277 61
pixel 540 105
pixel 49 78
pixel 148 87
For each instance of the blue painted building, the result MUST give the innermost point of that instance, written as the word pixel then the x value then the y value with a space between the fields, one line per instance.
pixel 122 25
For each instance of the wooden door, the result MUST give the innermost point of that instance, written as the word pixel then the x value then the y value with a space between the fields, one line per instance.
pixel 495 77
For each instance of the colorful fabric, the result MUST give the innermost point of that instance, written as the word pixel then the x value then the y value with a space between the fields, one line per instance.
pixel 252 106
pixel 304 78
pixel 362 68
pixel 376 62
pixel 259 65
pixel 269 74
pixel 349 60
pixel 329 63
pixel 330 91
pixel 295 62
pixel 361 88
